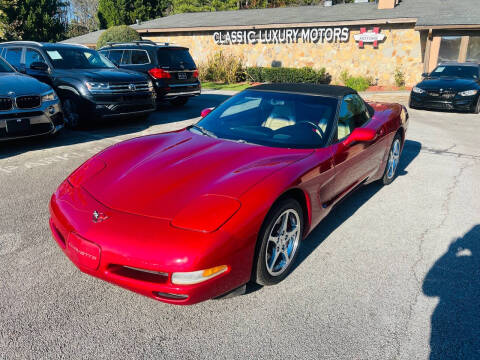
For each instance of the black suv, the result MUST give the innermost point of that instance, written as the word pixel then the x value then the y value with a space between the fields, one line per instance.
pixel 172 69
pixel 88 84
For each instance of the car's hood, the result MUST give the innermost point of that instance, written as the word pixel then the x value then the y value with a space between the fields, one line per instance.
pixel 159 175
pixel 21 85
pixel 453 83
pixel 106 75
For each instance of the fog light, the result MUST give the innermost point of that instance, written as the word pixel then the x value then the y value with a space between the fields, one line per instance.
pixel 195 277
pixel 171 296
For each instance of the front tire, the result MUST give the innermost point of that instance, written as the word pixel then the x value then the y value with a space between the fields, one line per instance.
pixel 71 112
pixel 476 108
pixel 279 242
pixel 393 160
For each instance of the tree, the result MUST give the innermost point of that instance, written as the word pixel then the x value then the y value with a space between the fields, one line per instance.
pixel 121 33
pixel 126 12
pixel 36 20
pixel 84 13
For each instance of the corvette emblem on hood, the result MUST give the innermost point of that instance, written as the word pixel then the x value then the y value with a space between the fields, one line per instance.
pixel 99 217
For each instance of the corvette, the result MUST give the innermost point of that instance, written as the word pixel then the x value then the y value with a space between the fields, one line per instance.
pixel 194 214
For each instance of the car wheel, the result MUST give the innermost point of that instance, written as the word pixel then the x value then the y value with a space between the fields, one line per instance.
pixel 279 242
pixel 476 108
pixel 179 101
pixel 71 114
pixel 393 160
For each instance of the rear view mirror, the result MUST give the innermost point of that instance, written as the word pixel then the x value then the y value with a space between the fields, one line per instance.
pixel 360 135
pixel 205 112
pixel 425 75
pixel 39 66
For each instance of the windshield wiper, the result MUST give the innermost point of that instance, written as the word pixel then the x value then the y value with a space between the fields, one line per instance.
pixel 204 131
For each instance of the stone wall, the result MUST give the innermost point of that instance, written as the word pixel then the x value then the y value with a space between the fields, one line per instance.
pixel 402 48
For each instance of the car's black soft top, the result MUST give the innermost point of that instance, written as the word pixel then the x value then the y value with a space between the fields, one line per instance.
pixel 308 89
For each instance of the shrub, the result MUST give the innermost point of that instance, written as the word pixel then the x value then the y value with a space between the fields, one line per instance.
pixel 288 75
pixel 122 33
pixel 399 77
pixel 221 67
pixel 358 83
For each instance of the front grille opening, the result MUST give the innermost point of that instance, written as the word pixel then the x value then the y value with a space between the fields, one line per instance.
pixel 5 104
pixel 139 274
pixel 28 102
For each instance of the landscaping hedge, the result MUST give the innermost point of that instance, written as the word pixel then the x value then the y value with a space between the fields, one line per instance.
pixel 288 75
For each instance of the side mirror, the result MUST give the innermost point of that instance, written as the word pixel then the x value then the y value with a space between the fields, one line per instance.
pixel 39 66
pixel 424 75
pixel 360 135
pixel 205 112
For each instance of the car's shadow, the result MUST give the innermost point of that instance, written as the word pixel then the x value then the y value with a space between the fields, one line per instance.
pixel 165 114
pixel 347 208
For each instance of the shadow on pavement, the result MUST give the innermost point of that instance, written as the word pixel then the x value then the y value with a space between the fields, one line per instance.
pixel 455 280
pixel 165 114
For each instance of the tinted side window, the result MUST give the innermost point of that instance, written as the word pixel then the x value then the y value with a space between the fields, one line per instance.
pixel 140 57
pixel 116 56
pixel 32 56
pixel 353 114
pixel 13 56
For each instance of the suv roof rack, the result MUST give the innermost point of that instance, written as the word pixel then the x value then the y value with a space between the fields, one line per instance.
pixel 23 42
pixel 138 42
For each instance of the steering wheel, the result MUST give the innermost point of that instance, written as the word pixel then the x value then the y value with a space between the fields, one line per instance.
pixel 322 134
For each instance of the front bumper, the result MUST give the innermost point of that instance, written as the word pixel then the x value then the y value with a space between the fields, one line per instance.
pixel 456 103
pixel 45 120
pixel 107 106
pixel 140 253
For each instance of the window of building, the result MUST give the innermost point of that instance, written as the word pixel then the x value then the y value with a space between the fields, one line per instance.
pixel 449 48
pixel 473 50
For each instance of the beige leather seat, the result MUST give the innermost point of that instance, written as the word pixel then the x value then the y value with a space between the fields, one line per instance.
pixel 281 116
pixel 343 130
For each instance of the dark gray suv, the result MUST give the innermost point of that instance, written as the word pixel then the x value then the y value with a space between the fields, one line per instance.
pixel 88 84
pixel 27 106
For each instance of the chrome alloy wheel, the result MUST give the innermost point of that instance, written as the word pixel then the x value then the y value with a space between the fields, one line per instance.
pixel 393 159
pixel 283 242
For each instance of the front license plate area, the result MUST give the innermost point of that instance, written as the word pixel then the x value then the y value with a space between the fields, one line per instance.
pixel 18 125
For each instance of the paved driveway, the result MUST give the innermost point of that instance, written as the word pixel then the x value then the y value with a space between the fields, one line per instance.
pixel 392 273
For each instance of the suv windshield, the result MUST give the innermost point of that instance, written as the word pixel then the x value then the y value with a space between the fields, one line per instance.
pixel 175 58
pixel 4 67
pixel 466 72
pixel 77 58
pixel 272 119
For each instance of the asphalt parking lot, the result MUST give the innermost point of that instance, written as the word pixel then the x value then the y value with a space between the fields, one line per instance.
pixel 392 273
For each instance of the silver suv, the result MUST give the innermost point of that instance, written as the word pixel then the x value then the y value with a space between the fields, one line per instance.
pixel 28 107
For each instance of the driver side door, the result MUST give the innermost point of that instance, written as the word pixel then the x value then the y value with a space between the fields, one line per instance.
pixel 353 163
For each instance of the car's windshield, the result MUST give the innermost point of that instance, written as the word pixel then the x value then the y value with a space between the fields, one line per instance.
pixel 77 58
pixel 4 67
pixel 272 119
pixel 466 72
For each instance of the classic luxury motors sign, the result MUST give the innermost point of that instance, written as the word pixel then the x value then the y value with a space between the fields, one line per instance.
pixel 283 36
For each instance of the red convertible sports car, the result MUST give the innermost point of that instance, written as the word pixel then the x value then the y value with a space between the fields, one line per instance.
pixel 190 215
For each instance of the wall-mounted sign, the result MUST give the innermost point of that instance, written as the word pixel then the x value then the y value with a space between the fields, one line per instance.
pixel 282 36
pixel 365 36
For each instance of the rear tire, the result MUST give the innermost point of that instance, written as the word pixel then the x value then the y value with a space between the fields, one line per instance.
pixel 179 101
pixel 278 243
pixel 393 160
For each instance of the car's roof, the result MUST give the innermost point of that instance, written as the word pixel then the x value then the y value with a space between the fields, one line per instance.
pixel 455 63
pixel 144 45
pixel 42 44
pixel 307 89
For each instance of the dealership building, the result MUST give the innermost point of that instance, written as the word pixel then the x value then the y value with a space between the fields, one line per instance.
pixel 368 39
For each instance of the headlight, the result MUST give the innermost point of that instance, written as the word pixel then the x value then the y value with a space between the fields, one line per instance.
pixel 49 96
pixel 96 86
pixel 468 93
pixel 417 90
pixel 195 277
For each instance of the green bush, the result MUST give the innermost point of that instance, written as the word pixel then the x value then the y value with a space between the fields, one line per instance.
pixel 358 83
pixel 288 75
pixel 121 33
pixel 222 67
pixel 399 77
